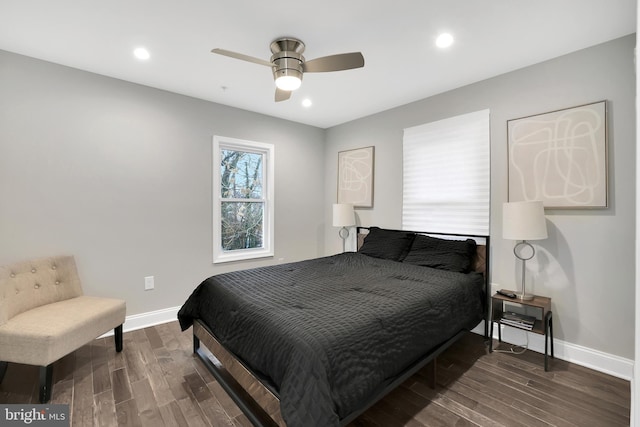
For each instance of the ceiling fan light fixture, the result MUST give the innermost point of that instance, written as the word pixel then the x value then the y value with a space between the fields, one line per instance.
pixel 288 79
pixel 288 83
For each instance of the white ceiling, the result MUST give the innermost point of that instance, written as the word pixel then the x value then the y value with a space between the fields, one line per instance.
pixel 396 38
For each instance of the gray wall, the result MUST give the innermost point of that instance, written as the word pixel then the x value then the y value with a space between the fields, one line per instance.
pixel 119 175
pixel 587 263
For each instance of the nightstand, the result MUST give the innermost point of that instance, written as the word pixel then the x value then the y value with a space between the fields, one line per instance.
pixel 543 324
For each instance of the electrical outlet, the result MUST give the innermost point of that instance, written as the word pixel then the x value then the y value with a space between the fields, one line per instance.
pixel 148 283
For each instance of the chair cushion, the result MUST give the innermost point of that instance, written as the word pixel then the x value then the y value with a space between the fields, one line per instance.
pixel 44 334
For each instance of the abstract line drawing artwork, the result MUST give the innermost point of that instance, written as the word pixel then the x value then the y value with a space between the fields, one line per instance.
pixel 355 177
pixel 560 157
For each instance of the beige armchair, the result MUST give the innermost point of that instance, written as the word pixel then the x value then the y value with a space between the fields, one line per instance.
pixel 45 316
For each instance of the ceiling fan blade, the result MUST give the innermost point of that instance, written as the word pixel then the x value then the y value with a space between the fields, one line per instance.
pixel 242 57
pixel 282 95
pixel 342 61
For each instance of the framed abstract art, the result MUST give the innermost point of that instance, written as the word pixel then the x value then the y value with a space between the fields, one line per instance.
pixel 355 177
pixel 560 157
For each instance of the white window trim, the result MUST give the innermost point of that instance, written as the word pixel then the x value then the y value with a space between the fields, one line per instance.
pixel 267 150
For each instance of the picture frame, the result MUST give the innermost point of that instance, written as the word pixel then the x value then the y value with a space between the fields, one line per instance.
pixel 355 177
pixel 560 158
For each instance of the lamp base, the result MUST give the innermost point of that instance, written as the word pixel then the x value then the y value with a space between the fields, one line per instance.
pixel 524 297
pixel 343 233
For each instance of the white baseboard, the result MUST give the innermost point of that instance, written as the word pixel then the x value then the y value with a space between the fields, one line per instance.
pixel 145 320
pixel 587 357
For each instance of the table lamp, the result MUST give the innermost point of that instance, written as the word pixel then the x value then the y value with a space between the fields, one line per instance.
pixel 343 216
pixel 524 221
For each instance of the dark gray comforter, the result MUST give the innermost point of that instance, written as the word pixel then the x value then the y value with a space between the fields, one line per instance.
pixel 331 332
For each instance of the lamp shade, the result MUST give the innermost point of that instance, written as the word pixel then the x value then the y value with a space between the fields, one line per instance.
pixel 523 221
pixel 343 215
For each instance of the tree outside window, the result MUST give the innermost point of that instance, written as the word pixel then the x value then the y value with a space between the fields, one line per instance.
pixel 242 210
pixel 244 206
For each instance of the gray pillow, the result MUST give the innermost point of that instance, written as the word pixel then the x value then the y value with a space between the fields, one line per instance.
pixel 387 244
pixel 452 255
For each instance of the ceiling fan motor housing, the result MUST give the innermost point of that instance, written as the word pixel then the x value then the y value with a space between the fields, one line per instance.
pixel 287 57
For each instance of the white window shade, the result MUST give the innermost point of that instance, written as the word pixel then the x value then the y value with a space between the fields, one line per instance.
pixel 446 175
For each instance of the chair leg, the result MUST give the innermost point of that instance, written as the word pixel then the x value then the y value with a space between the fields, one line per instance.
pixel 3 370
pixel 117 335
pixel 46 375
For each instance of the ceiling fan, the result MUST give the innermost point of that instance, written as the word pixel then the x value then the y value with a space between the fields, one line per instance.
pixel 288 64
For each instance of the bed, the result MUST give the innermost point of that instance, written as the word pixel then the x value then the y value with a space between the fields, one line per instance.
pixel 317 342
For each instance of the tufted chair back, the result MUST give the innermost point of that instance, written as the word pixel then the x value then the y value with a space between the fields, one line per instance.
pixel 29 284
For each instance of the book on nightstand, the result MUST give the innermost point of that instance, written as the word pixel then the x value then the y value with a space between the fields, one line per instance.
pixel 518 320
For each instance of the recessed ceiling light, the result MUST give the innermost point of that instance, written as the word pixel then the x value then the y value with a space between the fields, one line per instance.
pixel 444 40
pixel 141 53
pixel 306 102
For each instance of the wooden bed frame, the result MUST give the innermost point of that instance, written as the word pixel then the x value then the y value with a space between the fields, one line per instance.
pixel 261 404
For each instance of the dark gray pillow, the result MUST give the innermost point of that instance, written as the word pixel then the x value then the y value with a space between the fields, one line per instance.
pixel 452 255
pixel 387 244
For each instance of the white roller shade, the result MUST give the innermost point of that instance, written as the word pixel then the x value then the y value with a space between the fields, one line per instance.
pixel 446 175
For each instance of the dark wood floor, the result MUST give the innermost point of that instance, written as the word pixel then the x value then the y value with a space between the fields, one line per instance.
pixel 156 381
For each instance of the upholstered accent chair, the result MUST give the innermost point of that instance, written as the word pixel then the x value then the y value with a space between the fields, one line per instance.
pixel 45 316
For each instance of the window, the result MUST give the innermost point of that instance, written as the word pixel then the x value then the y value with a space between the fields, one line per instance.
pixel 446 175
pixel 242 199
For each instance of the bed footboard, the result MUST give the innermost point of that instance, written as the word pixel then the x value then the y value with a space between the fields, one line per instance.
pixel 255 400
